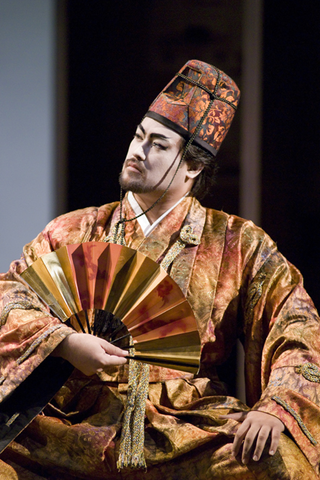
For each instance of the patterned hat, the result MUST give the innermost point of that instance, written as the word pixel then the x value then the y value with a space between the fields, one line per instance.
pixel 199 103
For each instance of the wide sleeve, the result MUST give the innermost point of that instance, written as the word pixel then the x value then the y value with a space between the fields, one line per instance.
pixel 282 344
pixel 28 332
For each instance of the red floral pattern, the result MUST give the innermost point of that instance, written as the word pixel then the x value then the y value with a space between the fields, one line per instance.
pixel 184 103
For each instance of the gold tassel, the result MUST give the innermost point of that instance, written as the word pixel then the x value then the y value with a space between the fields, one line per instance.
pixel 131 452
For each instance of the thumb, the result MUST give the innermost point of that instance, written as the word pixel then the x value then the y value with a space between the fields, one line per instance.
pixel 238 416
pixel 112 349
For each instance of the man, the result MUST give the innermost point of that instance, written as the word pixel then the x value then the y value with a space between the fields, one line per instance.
pixel 238 285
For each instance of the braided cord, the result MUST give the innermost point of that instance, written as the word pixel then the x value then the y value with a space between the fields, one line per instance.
pixel 20 304
pixel 297 418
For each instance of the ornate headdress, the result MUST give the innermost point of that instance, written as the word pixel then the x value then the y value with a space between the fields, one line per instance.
pixel 199 102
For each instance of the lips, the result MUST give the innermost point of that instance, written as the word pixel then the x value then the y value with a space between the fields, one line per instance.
pixel 133 166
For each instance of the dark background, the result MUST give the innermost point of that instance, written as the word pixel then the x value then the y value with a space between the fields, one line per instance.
pixel 121 54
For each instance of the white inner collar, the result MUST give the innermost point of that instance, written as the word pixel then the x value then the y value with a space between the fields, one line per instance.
pixel 144 223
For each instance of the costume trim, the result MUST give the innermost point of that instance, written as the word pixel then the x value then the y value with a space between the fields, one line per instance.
pixel 131 451
pixel 296 416
pixel 195 220
pixel 12 419
pixel 35 344
pixel 115 235
pixel 254 293
pixel 29 398
pixel 309 371
pixel 22 305
pixel 186 237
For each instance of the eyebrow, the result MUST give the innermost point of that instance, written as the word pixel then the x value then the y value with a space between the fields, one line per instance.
pixel 153 135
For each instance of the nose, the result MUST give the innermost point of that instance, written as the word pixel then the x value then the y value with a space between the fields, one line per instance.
pixel 139 151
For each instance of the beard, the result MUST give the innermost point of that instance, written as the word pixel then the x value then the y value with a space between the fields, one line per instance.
pixel 134 185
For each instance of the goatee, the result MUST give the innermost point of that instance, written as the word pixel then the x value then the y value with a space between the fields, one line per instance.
pixel 134 185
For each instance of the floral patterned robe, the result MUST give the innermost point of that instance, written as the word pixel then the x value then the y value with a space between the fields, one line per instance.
pixel 239 286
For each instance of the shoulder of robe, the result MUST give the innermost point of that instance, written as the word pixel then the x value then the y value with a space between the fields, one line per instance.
pixel 235 224
pixel 69 228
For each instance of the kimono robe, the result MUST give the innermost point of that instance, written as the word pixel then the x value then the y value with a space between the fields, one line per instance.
pixel 239 286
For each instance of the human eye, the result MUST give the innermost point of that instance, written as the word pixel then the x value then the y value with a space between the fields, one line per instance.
pixel 137 136
pixel 160 146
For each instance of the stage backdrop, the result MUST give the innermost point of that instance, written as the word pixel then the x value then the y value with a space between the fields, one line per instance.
pixel 26 122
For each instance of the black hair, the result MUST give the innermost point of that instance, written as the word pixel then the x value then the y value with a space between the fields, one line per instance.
pixel 196 157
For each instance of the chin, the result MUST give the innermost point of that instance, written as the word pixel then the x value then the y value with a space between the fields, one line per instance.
pixel 137 188
pixel 134 186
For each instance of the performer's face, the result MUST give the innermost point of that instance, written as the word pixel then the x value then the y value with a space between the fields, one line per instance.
pixel 152 159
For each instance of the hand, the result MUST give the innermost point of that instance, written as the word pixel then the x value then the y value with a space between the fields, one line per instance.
pixel 256 426
pixel 88 353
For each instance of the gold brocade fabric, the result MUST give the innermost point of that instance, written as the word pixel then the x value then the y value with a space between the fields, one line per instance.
pixel 239 286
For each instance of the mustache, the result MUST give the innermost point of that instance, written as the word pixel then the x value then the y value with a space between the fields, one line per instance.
pixel 132 162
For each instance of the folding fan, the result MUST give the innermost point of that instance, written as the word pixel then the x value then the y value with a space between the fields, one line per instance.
pixel 121 295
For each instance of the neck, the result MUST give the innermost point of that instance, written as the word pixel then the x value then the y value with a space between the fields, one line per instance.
pixel 147 200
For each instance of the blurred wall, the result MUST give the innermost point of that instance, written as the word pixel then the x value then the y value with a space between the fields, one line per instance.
pixel 26 122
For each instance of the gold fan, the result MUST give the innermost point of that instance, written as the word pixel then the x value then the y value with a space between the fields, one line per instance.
pixel 118 293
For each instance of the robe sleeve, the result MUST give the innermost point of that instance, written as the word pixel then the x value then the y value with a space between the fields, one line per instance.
pixel 282 345
pixel 29 333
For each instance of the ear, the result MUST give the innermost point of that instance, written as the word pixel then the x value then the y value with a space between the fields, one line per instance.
pixel 194 173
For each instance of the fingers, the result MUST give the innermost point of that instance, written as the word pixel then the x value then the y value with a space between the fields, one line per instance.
pixel 275 438
pixel 108 360
pixel 239 438
pixel 110 354
pixel 262 438
pixel 254 433
pixel 90 354
pixel 246 436
pixel 112 349
pixel 238 416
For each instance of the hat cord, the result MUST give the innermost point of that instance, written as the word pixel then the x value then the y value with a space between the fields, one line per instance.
pixel 206 89
pixel 122 221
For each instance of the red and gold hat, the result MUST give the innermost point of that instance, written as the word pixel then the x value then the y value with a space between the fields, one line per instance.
pixel 199 103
